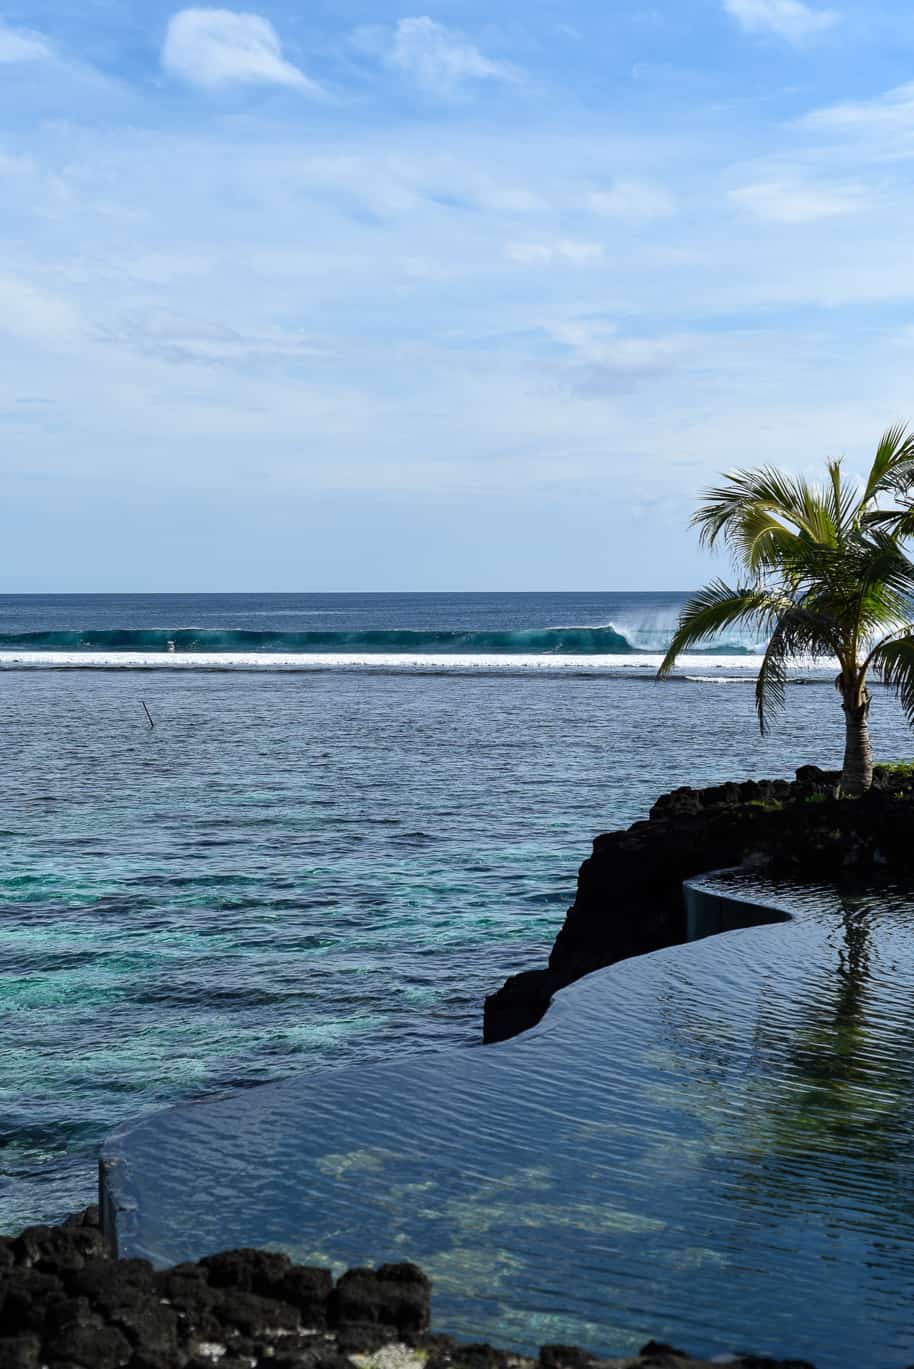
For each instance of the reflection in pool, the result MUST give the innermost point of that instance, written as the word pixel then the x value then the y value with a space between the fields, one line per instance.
pixel 712 1145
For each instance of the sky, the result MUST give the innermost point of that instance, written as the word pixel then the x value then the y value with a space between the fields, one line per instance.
pixel 350 296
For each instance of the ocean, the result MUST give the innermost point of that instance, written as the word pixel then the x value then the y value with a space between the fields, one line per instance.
pixel 354 816
pixel 619 632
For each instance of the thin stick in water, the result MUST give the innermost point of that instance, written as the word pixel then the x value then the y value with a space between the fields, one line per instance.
pixel 147 712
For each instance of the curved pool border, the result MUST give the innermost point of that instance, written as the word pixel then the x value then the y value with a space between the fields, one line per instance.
pixel 709 913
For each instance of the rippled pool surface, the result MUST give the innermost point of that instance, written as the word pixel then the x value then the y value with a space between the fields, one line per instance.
pixel 712 1145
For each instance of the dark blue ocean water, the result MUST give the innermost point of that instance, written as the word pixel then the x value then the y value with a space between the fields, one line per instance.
pixel 500 624
pixel 299 868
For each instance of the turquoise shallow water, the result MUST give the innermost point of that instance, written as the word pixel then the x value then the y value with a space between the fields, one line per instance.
pixel 295 871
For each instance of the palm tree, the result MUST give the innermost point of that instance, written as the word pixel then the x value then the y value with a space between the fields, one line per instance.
pixel 826 575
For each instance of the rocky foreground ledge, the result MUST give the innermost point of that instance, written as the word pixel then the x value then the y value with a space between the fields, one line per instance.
pixel 65 1303
pixel 629 896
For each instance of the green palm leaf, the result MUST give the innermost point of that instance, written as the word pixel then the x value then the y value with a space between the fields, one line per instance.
pixel 721 514
pixel 893 661
pixel 829 576
pixel 799 633
pixel 893 465
pixel 715 608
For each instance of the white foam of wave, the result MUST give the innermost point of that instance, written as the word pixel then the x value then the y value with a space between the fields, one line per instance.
pixel 721 679
pixel 699 669
pixel 655 632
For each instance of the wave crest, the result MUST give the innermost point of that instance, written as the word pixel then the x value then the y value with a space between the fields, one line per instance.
pixel 565 641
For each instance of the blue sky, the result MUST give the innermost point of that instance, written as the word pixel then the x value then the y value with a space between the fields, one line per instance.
pixel 350 296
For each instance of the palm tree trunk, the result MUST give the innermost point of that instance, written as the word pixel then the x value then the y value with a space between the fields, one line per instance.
pixel 857 772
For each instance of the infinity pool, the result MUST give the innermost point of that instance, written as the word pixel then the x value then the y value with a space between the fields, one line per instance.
pixel 712 1145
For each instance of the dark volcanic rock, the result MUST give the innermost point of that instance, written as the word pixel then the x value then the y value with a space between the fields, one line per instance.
pixel 89 1343
pixel 564 1357
pixel 63 1307
pixel 88 1217
pixel 56 1249
pixel 397 1295
pixel 658 1352
pixel 629 896
pixel 20 1352
pixel 520 1002
pixel 252 1271
pixel 252 1314
pixel 309 1291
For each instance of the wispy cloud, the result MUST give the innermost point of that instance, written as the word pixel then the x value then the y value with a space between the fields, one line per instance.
pixel 604 361
pixel 890 113
pixel 633 202
pixel 788 19
pixel 546 253
pixel 792 202
pixel 440 61
pixel 22 45
pixel 217 47
pixel 176 337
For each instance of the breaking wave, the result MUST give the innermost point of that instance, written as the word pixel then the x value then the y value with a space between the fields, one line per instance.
pixel 565 641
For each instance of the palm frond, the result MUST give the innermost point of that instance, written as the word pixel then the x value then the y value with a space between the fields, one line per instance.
pixel 880 613
pixel 820 524
pixel 724 507
pixel 843 498
pixel 880 560
pixel 873 585
pixel 893 465
pixel 798 633
pixel 771 684
pixel 828 569
pixel 761 539
pixel 899 523
pixel 893 661
pixel 862 585
pixel 716 607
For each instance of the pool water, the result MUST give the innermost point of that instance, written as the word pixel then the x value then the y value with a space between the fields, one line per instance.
pixel 712 1145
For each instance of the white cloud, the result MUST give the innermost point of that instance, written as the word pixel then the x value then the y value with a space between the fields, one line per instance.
pixel 542 253
pixel 440 61
pixel 632 202
pixel 22 45
pixel 603 361
pixel 216 47
pixel 891 113
pixel 789 19
pixel 176 337
pixel 791 202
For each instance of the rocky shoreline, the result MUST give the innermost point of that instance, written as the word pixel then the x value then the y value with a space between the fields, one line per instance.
pixel 629 895
pixel 65 1303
